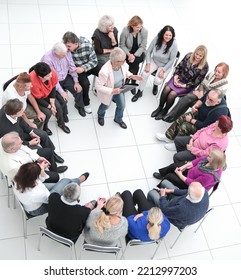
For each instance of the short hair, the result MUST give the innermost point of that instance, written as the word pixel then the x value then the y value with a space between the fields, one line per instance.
pixel 104 22
pixel 59 47
pixel 219 92
pixel 155 219
pixel 204 51
pixel 113 206
pixel 225 67
pixel 9 141
pixel 71 192
pixel 134 21
pixel 13 106
pixel 70 37
pixel 196 191
pixel 42 69
pixel 117 54
pixel 26 176
pixel 23 78
pixel 225 123
pixel 217 159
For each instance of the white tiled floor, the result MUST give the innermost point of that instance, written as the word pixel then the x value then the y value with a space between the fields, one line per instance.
pixel 125 159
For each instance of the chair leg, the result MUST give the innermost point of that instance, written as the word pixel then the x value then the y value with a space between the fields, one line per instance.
pixel 209 210
pixel 93 83
pixel 24 227
pixel 8 196
pixel 39 241
pixel 176 239
pixel 73 252
pixel 157 247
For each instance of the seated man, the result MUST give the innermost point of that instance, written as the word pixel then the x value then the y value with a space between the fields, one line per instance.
pixel 185 207
pixel 13 154
pixel 61 61
pixel 205 112
pixel 10 120
pixel 44 81
pixel 85 60
pixel 66 216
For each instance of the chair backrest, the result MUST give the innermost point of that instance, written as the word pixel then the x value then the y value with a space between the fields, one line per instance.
pixel 5 85
pixel 214 188
pixel 101 249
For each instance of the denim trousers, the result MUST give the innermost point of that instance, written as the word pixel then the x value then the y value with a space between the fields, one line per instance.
pixel 119 99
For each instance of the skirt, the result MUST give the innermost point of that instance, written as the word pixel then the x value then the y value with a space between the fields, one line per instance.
pixel 178 90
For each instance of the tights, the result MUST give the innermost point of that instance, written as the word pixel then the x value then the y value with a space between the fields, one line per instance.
pixel 167 98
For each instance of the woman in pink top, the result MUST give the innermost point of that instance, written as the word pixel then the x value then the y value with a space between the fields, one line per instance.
pixel 203 141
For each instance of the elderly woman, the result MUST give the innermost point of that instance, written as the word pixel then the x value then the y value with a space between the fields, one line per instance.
pixel 148 222
pixel 105 39
pixel 133 41
pixel 160 56
pixel 203 141
pixel 112 77
pixel 105 224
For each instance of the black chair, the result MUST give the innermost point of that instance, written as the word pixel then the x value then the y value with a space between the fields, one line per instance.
pixel 5 85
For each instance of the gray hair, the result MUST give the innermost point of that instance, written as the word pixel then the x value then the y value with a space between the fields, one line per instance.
pixel 196 191
pixel 8 141
pixel 117 54
pixel 59 48
pixel 104 22
pixel 71 192
pixel 219 93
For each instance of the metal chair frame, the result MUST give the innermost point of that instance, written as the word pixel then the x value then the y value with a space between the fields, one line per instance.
pixel 115 250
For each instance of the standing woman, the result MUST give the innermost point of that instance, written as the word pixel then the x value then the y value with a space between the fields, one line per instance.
pixel 133 41
pixel 160 56
pixel 105 39
pixel 214 80
pixel 188 74
pixel 112 77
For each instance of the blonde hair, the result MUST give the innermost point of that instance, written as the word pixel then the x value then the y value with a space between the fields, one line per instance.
pixel 113 206
pixel 204 51
pixel 155 219
pixel 217 159
pixel 23 78
pixel 104 22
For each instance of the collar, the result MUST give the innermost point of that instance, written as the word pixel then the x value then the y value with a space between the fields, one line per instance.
pixel 12 120
pixel 69 203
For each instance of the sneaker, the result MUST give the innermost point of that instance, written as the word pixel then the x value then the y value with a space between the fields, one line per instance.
pixel 170 147
pixel 88 109
pixel 162 137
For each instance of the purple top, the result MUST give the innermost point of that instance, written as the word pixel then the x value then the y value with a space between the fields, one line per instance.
pixel 62 66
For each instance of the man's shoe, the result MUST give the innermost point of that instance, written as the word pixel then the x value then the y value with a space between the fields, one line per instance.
pixel 155 90
pixel 64 128
pixel 170 147
pixel 133 91
pixel 88 109
pixel 156 112
pixel 101 121
pixel 162 137
pixel 157 175
pixel 62 169
pixel 136 96
pixel 168 119
pixel 58 159
pixel 121 124
pixel 161 115
pixel 81 110
pixel 86 175
pixel 48 131
pixel 66 119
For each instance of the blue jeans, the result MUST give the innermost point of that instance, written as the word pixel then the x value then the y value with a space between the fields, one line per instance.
pixel 120 107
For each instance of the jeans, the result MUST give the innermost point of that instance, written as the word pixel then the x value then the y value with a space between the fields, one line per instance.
pixel 154 197
pixel 120 107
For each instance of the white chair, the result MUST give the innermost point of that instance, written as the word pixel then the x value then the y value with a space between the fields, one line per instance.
pixel 137 242
pixel 9 186
pixel 214 188
pixel 62 240
pixel 114 250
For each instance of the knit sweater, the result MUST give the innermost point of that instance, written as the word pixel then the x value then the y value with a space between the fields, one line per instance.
pixel 110 236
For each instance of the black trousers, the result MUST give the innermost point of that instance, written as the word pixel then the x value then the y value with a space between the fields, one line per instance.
pixel 130 201
pixel 85 83
pixel 45 141
pixel 134 66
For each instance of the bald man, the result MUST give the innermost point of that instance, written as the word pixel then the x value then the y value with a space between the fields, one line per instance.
pixel 183 207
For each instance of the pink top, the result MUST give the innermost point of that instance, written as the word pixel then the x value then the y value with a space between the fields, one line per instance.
pixel 204 141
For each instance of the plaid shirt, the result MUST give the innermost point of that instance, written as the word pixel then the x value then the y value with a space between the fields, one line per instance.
pixel 85 56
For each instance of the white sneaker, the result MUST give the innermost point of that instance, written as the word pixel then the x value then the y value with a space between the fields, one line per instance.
pixel 88 109
pixel 162 137
pixel 170 147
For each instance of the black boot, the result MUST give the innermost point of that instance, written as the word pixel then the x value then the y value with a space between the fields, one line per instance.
pixel 161 115
pixel 155 90
pixel 156 112
pixel 136 96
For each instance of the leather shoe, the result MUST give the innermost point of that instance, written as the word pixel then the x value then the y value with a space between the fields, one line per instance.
pixel 80 110
pixel 156 112
pixel 168 119
pixel 64 128
pixel 133 91
pixel 58 159
pixel 101 121
pixel 121 124
pixel 66 119
pixel 62 169
pixel 160 115
pixel 136 96
pixel 157 175
pixel 48 131
pixel 86 175
pixel 155 90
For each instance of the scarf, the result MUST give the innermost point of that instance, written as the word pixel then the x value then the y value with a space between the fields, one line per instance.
pixel 208 169
pixel 208 84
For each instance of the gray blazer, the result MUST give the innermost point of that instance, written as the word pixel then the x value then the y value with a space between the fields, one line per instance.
pixel 126 41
